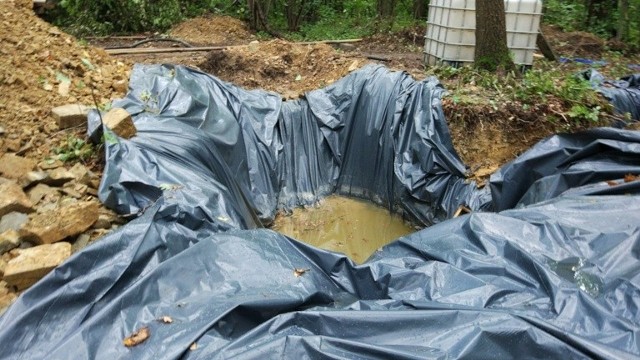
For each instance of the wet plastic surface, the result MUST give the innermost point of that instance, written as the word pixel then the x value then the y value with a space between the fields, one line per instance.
pixel 557 277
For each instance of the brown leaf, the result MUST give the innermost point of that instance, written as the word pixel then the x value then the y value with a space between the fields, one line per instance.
pixel 165 319
pixel 299 272
pixel 630 178
pixel 612 183
pixel 137 337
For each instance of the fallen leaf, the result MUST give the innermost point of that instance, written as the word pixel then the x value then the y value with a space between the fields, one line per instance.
pixel 612 183
pixel 165 320
pixel 299 272
pixel 193 346
pixel 137 337
pixel 630 178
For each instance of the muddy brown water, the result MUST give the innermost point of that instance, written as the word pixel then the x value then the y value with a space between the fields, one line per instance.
pixel 354 227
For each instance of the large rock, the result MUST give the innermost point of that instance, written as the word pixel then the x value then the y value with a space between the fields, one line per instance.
pixel 15 167
pixel 34 263
pixel 13 221
pixel 70 115
pixel 12 198
pixel 120 122
pixel 9 240
pixel 58 224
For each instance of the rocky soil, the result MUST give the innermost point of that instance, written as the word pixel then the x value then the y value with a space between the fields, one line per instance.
pixel 48 174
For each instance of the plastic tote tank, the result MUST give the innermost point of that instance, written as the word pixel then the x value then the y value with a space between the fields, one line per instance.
pixel 451 36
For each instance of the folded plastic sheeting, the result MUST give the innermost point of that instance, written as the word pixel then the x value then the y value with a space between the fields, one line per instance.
pixel 240 155
pixel 624 94
pixel 556 280
pixel 556 277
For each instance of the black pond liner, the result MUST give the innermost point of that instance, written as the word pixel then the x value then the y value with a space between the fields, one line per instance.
pixel 554 273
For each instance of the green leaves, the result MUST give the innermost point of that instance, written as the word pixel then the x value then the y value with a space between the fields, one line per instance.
pixel 73 148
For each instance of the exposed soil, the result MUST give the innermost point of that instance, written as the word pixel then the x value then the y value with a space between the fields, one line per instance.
pixel 213 30
pixel 40 68
pixel 280 66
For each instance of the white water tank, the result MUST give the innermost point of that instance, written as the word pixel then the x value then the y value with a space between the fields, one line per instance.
pixel 451 31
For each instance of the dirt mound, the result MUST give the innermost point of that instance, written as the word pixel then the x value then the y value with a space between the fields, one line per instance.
pixel 213 30
pixel 574 43
pixel 286 68
pixel 40 68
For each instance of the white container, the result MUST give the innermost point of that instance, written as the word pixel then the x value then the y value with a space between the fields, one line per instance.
pixel 451 31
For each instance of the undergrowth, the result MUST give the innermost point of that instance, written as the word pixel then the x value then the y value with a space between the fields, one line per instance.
pixel 566 99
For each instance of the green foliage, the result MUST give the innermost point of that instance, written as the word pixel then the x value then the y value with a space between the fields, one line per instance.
pixel 574 96
pixel 73 148
pixel 573 15
pixel 319 19
pixel 89 17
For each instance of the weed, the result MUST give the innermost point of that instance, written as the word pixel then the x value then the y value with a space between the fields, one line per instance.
pixel 74 148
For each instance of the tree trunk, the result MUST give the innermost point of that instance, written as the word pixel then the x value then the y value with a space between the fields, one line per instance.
pixel 623 20
pixel 419 9
pixel 293 12
pixel 491 36
pixel 385 8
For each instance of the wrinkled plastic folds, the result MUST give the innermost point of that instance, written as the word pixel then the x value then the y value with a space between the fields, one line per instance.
pixel 624 94
pixel 553 274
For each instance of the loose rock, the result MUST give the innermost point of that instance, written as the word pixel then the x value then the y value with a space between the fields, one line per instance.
pixel 13 221
pixel 53 226
pixel 12 198
pixel 39 191
pixel 120 122
pixel 59 177
pixel 104 222
pixel 70 115
pixel 9 240
pixel 15 167
pixel 32 264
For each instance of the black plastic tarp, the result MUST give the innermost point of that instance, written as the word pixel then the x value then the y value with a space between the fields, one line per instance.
pixel 624 94
pixel 557 276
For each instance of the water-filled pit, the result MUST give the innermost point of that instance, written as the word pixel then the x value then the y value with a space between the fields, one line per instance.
pixel 354 227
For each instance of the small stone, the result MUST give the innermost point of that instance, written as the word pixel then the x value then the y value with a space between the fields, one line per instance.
pixel 120 86
pixel 9 240
pixel 32 178
pixel 82 174
pixel 59 177
pixel 70 115
pixel 2 131
pixel 12 198
pixel 39 191
pixel 120 122
pixel 12 145
pixel 15 167
pixel 13 221
pixel 33 264
pixel 50 164
pixel 81 242
pixel 71 191
pixel 56 225
pixel 104 222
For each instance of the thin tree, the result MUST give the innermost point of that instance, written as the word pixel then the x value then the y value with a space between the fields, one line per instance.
pixel 491 36
pixel 623 20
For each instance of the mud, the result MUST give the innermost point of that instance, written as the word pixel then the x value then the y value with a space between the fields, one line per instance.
pixel 354 227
